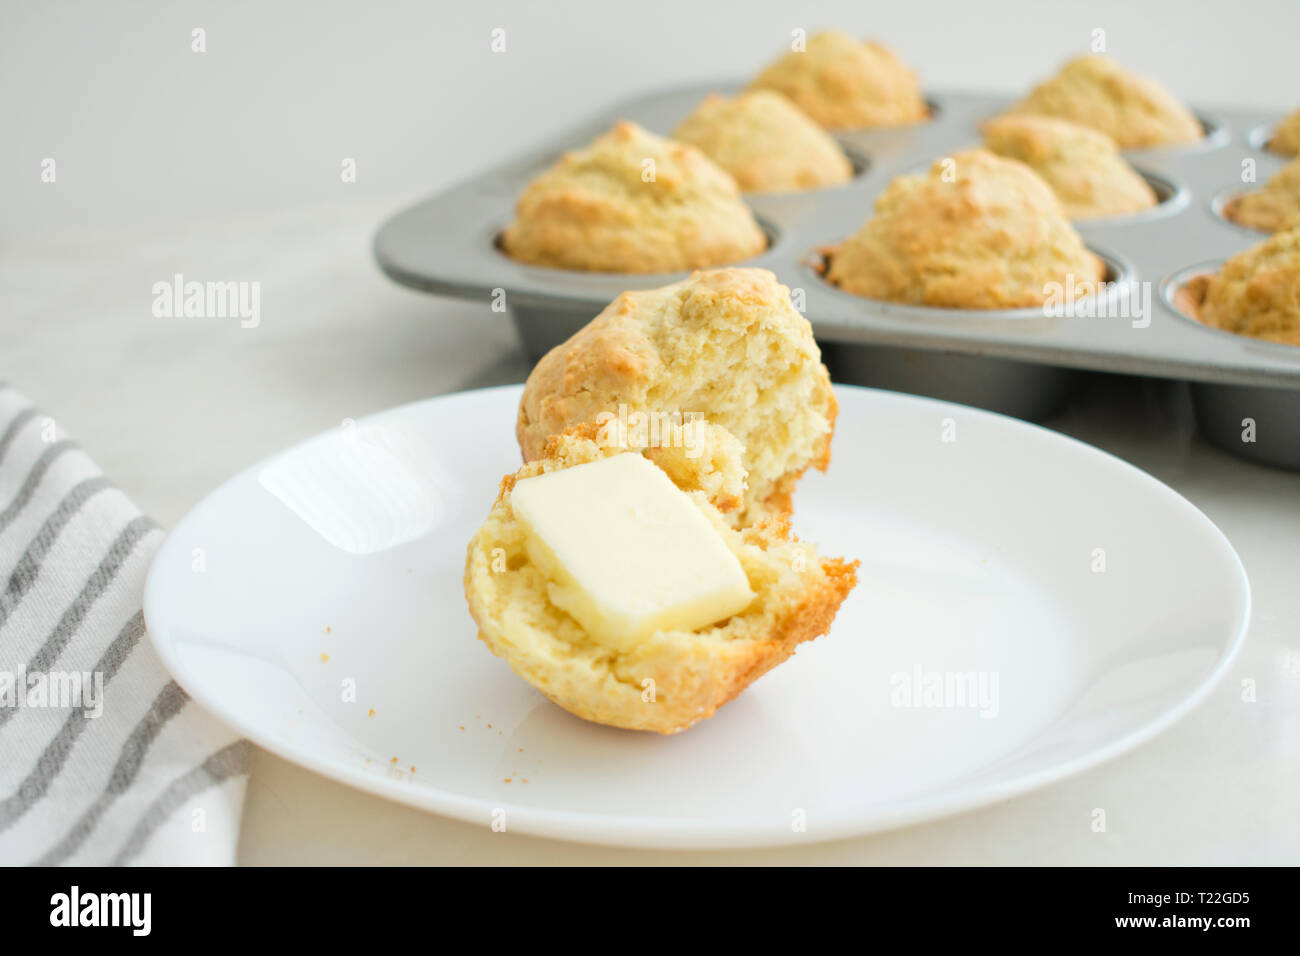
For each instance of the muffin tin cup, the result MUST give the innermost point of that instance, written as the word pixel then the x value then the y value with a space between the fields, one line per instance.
pixel 1021 389
pixel 1216 135
pixel 1261 137
pixel 1219 203
pixel 1258 423
pixel 1170 197
pixel 1261 424
pixel 541 327
pixel 1020 363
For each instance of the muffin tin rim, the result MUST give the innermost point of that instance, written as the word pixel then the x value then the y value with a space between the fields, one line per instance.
pixel 858 160
pixel 1219 201
pixel 1118 271
pixel 773 233
pixel 417 247
pixel 1179 196
pixel 1260 136
pixel 1172 283
pixel 1217 136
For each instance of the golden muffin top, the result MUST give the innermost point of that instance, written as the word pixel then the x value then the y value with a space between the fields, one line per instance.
pixel 1257 292
pixel 631 201
pixel 766 142
pixel 842 82
pixel 727 345
pixel 1286 135
pixel 1270 208
pixel 1135 111
pixel 976 231
pixel 1082 165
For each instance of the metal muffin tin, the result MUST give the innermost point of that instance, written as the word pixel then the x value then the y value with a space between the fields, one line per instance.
pixel 1020 362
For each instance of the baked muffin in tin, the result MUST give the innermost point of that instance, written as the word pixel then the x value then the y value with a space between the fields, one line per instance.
pixel 634 202
pixel 843 83
pixel 1082 165
pixel 976 231
pixel 766 142
pixel 1271 207
pixel 1285 140
pixel 1256 293
pixel 1135 111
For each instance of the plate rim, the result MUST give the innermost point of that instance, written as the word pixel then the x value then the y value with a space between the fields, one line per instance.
pixel 645 832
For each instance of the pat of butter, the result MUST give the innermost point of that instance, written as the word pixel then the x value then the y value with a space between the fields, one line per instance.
pixel 626 552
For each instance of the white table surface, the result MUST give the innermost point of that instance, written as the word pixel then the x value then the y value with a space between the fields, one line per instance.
pixel 171 407
pixel 158 146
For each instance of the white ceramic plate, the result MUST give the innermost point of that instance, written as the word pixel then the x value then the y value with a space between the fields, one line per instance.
pixel 1102 604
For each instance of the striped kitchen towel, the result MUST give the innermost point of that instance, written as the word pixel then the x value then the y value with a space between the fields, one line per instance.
pixel 103 758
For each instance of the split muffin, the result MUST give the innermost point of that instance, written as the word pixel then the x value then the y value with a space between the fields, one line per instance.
pixel 766 142
pixel 1286 136
pixel 976 231
pixel 667 678
pixel 842 82
pixel 634 202
pixel 725 345
pixel 1135 111
pixel 1256 293
pixel 1272 207
pixel 1082 165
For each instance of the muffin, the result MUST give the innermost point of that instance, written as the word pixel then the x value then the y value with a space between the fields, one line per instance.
pixel 1286 135
pixel 1269 208
pixel 766 143
pixel 1256 293
pixel 631 201
pixel 843 83
pixel 670 679
pixel 1082 165
pixel 975 232
pixel 726 345
pixel 1135 111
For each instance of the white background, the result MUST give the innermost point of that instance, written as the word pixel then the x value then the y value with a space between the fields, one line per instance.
pixel 142 128
pixel 226 165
